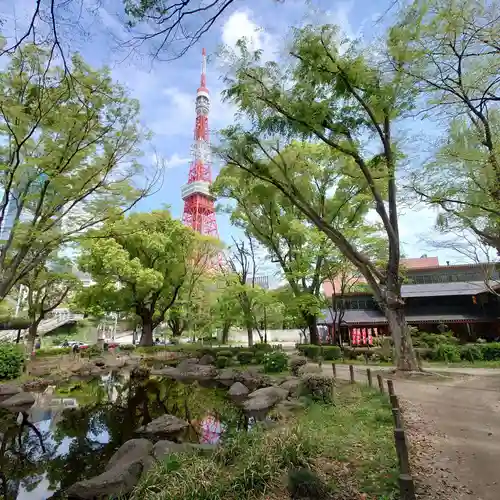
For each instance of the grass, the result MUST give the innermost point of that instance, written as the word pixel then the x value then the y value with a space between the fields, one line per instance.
pixel 464 364
pixel 349 446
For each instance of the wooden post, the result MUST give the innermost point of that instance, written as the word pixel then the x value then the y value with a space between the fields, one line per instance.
pixel 402 450
pixel 390 387
pixel 351 373
pixel 334 370
pixel 320 361
pixel 396 415
pixel 394 401
pixel 369 377
pixel 419 360
pixel 380 383
pixel 406 487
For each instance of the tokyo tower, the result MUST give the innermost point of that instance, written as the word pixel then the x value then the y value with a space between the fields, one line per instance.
pixel 199 210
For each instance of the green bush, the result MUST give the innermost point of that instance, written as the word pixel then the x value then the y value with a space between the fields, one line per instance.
pixel 432 340
pixel 471 352
pixel 275 361
pixel 447 352
pixel 295 363
pixel 426 353
pixel 262 346
pixel 52 351
pixel 311 351
pixel 245 357
pixel 491 351
pixel 259 357
pixel 331 352
pixel 225 353
pixel 222 361
pixel 317 386
pixel 127 347
pixel 11 361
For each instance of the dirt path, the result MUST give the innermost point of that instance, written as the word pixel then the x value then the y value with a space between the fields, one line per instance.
pixel 454 424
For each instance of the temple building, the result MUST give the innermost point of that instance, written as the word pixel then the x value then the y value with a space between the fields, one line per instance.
pixel 462 298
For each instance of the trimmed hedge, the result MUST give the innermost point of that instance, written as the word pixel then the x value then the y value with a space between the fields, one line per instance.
pixel 245 357
pixel 317 386
pixel 331 352
pixel 11 361
pixel 52 351
pixel 222 361
pixel 295 363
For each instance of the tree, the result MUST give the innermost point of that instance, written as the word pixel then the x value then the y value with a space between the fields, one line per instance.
pixel 69 157
pixel 339 99
pixel 302 251
pixel 449 51
pixel 140 264
pixel 48 286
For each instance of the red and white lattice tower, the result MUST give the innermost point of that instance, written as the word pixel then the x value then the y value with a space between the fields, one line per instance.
pixel 199 209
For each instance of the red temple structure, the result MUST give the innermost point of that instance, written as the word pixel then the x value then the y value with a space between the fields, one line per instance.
pixel 199 209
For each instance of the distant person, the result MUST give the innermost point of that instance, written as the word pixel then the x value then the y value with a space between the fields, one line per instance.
pixel 76 350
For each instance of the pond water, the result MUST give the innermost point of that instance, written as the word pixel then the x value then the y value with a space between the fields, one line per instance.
pixel 73 430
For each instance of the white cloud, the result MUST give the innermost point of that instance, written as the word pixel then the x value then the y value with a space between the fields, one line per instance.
pixel 176 161
pixel 240 25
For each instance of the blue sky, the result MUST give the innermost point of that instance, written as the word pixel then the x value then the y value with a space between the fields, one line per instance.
pixel 166 90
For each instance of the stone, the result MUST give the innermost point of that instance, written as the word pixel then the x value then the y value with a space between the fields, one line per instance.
pixel 8 390
pixel 292 385
pixel 18 402
pixel 310 368
pixel 238 392
pixel 115 482
pixel 164 426
pixel 207 360
pixel 188 372
pixel 134 450
pixel 36 385
pixel 253 380
pixel 186 363
pixel 100 362
pixel 227 377
pixel 262 400
pixel 163 448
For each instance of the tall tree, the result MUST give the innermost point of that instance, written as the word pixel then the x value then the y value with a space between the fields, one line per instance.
pixel 332 95
pixel 140 263
pixel 48 285
pixel 69 157
pixel 301 250
pixel 449 51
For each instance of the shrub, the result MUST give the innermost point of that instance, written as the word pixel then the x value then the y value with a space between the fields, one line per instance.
pixel 331 352
pixel 471 352
pixel 127 347
pixel 11 361
pixel 245 357
pixel 262 346
pixel 93 350
pixel 295 363
pixel 447 352
pixel 52 351
pixel 275 361
pixel 317 386
pixel 305 369
pixel 311 351
pixel 259 357
pixel 304 483
pixel 225 353
pixel 222 361
pixel 491 351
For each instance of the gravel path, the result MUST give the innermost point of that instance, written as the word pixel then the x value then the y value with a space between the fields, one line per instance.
pixel 453 424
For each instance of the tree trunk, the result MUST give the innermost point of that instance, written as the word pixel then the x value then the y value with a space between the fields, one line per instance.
pixel 18 338
pixel 312 326
pixel 32 330
pixel 226 326
pixel 405 358
pixel 250 335
pixel 147 332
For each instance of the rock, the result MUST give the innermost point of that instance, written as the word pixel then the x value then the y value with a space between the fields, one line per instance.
pixel 19 402
pixel 164 426
pixel 163 448
pixel 303 370
pixel 186 363
pixel 207 360
pixel 262 400
pixel 115 482
pixel 291 385
pixel 134 450
pixel 140 373
pixel 287 408
pixel 8 390
pixel 238 392
pixel 167 372
pixel 100 362
pixel 253 380
pixel 37 385
pixel 189 372
pixel 227 377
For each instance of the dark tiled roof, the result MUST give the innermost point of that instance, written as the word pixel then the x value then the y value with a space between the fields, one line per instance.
pixel 367 317
pixel 443 289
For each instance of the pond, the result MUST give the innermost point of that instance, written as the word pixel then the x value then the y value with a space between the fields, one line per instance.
pixel 72 430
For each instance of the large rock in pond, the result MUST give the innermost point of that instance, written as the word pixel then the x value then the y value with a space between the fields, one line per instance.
pixel 37 385
pixel 238 392
pixel 207 360
pixel 162 427
pixel 262 400
pixel 19 402
pixel 120 475
pixel 189 372
pixel 253 379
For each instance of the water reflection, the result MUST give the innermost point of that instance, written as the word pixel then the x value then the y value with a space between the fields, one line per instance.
pixel 73 430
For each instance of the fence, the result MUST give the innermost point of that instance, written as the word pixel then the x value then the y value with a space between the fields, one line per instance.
pixel 406 483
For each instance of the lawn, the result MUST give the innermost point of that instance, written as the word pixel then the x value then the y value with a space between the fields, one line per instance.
pixel 349 447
